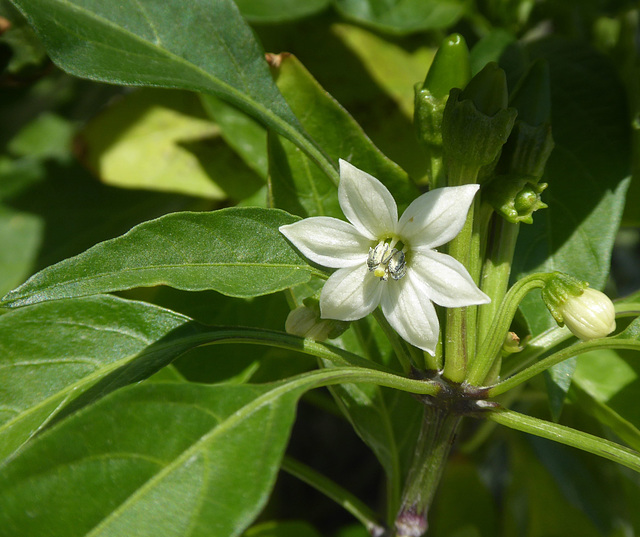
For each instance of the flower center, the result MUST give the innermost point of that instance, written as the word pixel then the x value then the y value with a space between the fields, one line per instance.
pixel 385 260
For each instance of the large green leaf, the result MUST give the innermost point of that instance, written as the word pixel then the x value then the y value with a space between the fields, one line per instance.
pixel 61 355
pixel 203 45
pixel 587 173
pixel 171 459
pixel 238 252
pixel 403 16
pixel 156 459
pixel 53 352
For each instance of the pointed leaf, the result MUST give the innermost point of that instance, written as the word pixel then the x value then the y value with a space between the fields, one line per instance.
pixel 238 252
pixel 210 476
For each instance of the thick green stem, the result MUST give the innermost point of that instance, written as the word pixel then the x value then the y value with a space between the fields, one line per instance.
pixel 570 437
pixel 430 457
pixel 460 334
pixel 334 491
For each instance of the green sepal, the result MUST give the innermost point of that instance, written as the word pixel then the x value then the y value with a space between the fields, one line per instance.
pixel 515 197
pixel 527 150
pixel 558 289
pixel 476 121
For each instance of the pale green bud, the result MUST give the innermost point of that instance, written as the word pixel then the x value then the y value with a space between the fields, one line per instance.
pixel 588 313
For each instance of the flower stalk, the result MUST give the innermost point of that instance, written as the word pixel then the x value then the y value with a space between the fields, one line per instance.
pixel 439 426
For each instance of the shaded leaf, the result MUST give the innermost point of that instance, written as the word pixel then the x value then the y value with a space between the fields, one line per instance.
pixel 238 252
pixel 142 43
pixel 401 17
pixel 587 173
pixel 20 237
pixel 161 140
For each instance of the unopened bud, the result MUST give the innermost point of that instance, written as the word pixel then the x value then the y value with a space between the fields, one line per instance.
pixel 476 121
pixel 515 197
pixel 305 321
pixel 588 313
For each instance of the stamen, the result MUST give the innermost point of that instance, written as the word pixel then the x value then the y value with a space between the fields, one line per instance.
pixel 385 260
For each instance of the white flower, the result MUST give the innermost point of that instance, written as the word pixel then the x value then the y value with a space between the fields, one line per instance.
pixel 389 262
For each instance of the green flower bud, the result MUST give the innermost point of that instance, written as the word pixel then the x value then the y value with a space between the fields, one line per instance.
pixel 476 121
pixel 305 321
pixel 449 69
pixel 588 313
pixel 515 197
pixel 511 344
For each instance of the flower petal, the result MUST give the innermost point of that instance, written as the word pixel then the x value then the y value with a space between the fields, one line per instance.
pixel 366 202
pixel 437 216
pixel 350 294
pixel 328 241
pixel 447 281
pixel 411 314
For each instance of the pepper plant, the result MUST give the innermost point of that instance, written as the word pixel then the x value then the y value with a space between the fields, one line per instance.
pixel 218 288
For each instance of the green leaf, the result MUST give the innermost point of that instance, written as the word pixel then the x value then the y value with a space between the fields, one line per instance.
pixel 392 66
pixel 54 352
pixel 238 252
pixel 160 140
pixel 606 385
pixel 242 133
pixel 270 11
pixel 20 237
pixel 47 136
pixel 297 184
pixel 210 476
pixel 143 43
pixel 587 173
pixel 401 17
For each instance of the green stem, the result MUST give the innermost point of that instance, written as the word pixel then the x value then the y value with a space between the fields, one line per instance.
pixel 335 492
pixel 560 356
pixel 497 269
pixel 458 332
pixel 401 352
pixel 494 339
pixel 570 437
pixel 553 337
pixel 430 457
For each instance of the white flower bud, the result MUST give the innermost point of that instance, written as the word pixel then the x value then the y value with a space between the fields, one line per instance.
pixel 590 315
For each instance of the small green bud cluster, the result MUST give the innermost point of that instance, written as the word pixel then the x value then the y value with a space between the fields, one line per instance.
pixel 588 313
pixel 305 321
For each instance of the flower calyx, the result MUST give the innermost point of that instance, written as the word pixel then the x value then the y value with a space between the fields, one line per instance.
pixel 588 313
pixel 477 121
pixel 461 399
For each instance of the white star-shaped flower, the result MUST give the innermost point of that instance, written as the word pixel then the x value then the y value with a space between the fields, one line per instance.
pixel 389 262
